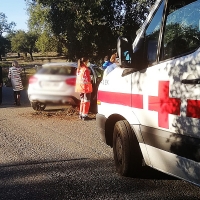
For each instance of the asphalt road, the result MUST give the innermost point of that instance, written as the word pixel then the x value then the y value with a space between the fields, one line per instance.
pixel 54 158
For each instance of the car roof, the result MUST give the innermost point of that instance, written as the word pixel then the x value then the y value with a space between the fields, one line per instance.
pixel 64 64
pixel 60 64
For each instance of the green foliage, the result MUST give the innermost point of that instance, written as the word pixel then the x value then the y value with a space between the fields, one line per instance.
pixel 18 42
pixel 81 29
pixel 38 18
pixel 76 28
pixel 46 43
pixel 5 27
pixel 38 23
pixel 4 46
pixel 24 42
pixel 91 26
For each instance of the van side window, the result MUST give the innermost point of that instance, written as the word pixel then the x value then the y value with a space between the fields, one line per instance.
pixel 182 28
pixel 152 36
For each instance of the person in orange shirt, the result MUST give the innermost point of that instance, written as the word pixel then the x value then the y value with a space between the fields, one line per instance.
pixel 84 87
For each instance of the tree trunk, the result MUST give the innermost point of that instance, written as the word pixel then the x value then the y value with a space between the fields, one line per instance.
pixel 25 56
pixel 31 54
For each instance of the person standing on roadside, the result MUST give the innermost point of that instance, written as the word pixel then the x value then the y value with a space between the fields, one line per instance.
pixel 106 62
pixel 15 75
pixel 84 87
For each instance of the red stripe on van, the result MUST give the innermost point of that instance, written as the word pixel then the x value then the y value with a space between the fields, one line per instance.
pixel 125 99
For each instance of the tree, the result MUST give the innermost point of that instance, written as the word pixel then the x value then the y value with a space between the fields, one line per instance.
pixel 24 42
pixel 38 23
pixel 4 46
pixel 46 43
pixel 93 26
pixel 5 27
pixel 83 31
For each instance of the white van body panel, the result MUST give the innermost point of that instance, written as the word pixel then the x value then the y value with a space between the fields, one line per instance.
pixel 173 71
pixel 174 165
pixel 162 101
pixel 117 84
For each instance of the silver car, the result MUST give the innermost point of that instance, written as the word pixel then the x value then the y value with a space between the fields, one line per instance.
pixel 54 83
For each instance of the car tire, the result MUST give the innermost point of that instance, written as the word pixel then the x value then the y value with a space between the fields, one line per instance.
pixel 127 154
pixel 38 106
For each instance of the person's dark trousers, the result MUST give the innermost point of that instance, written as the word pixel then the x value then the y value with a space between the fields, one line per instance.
pixel 17 97
pixel 1 85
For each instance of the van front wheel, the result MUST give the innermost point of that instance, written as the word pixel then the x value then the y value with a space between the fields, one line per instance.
pixel 126 150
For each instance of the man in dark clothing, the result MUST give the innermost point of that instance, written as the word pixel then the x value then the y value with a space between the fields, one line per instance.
pixel 106 62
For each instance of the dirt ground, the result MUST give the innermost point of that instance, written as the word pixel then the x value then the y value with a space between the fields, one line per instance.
pixel 69 113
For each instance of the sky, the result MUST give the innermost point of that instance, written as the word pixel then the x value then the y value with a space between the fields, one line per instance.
pixel 15 10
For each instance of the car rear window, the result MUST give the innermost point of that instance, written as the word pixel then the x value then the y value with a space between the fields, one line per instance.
pixel 58 70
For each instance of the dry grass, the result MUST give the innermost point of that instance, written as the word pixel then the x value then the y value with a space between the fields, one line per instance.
pixel 28 65
pixel 39 59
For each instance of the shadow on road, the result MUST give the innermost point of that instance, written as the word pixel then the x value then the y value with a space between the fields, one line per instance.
pixel 8 98
pixel 79 178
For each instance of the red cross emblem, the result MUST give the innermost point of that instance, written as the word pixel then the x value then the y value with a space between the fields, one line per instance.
pixel 164 105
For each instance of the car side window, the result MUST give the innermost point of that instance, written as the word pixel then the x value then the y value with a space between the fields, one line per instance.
pixel 98 72
pixel 182 28
pixel 152 35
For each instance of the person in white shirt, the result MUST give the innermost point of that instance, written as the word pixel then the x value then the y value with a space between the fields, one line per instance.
pixel 15 75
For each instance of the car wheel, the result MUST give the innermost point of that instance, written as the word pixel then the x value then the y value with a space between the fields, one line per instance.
pixel 38 106
pixel 126 150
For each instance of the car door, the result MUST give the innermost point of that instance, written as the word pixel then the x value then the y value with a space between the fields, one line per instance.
pixel 169 114
pixel 96 77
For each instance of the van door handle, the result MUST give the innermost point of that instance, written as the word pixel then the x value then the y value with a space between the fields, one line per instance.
pixel 191 81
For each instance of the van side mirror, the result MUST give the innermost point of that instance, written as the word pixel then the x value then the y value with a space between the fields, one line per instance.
pixel 124 51
pixel 129 57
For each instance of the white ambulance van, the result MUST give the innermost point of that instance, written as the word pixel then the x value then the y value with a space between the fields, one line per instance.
pixel 149 106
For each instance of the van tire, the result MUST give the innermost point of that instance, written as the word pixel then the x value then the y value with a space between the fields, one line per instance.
pixel 126 150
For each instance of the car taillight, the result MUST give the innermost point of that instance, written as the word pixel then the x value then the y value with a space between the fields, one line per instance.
pixel 71 81
pixel 32 80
